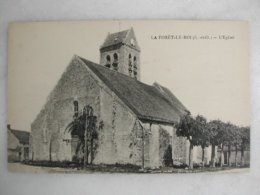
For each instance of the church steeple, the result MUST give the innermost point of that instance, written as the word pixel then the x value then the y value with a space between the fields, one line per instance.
pixel 120 52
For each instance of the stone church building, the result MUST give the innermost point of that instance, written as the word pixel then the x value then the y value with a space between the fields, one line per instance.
pixel 135 121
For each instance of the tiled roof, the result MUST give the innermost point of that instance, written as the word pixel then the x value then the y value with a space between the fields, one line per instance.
pixel 148 102
pixel 171 97
pixel 22 136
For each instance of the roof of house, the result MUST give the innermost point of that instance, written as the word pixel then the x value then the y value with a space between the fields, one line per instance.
pixel 22 136
pixel 149 103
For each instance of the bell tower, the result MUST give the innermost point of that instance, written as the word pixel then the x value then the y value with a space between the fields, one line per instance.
pixel 120 52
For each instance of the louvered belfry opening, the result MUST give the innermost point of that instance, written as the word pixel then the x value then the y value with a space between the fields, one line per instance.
pixel 108 61
pixel 115 62
pixel 121 52
pixel 130 65
pixel 135 67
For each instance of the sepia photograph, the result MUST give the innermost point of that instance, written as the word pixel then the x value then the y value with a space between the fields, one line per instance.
pixel 128 96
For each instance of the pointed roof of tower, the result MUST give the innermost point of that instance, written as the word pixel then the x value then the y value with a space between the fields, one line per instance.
pixel 122 37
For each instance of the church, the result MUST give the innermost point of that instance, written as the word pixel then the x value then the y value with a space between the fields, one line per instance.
pixel 134 122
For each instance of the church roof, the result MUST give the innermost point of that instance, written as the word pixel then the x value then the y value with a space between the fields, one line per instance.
pixel 149 103
pixel 22 136
pixel 171 97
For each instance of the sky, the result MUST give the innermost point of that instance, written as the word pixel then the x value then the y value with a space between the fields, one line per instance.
pixel 209 76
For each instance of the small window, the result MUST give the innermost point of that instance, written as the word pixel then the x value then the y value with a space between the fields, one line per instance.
pixel 115 62
pixel 108 61
pixel 76 108
pixel 115 57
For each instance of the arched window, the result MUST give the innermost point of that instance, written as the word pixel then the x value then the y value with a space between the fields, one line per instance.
pixel 130 64
pixel 115 62
pixel 76 108
pixel 108 61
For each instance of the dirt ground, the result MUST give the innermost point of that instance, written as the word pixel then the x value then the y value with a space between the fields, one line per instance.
pixel 18 167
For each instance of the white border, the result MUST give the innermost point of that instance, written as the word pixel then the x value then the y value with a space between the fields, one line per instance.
pixel 204 183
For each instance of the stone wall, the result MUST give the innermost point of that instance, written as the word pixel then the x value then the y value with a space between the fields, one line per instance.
pixel 197 155
pixel 125 51
pixel 123 59
pixel 119 137
pixel 122 138
pixel 157 139
pixel 233 157
pixel 180 149
pixel 49 139
pixel 165 143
